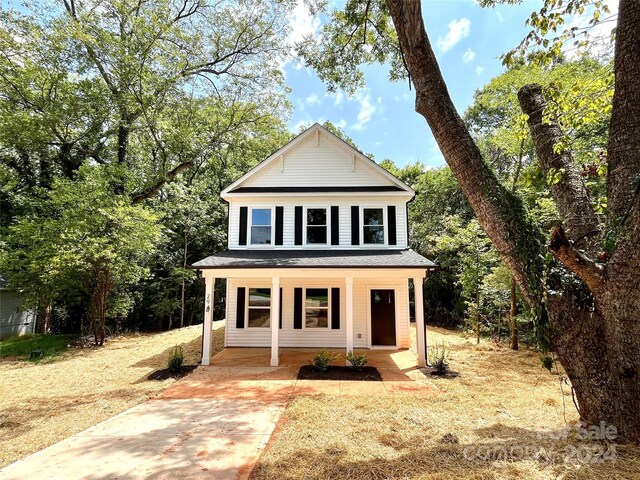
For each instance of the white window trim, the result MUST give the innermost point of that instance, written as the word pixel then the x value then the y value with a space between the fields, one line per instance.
pixel 385 226
pixel 304 309
pixel 246 307
pixel 250 225
pixel 328 225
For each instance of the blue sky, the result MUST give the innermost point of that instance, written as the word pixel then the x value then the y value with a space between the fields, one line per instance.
pixel 468 41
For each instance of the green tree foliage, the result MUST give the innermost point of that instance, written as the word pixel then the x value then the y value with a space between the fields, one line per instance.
pixel 156 99
pixel 85 242
pixel 580 93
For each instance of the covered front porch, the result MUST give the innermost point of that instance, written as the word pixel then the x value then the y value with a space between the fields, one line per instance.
pixel 401 360
pixel 291 304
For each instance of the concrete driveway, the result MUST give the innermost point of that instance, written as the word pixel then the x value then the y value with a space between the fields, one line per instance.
pixel 179 435
pixel 212 424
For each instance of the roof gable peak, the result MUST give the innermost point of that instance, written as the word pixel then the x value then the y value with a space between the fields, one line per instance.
pixel 312 137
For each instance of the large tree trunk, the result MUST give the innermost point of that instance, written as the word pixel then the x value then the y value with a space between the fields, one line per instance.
pixel 594 328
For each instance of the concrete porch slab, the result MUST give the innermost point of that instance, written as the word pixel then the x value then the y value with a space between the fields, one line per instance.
pixel 402 359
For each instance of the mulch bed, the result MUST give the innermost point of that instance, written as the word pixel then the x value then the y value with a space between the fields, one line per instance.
pixel 367 374
pixel 431 372
pixel 165 373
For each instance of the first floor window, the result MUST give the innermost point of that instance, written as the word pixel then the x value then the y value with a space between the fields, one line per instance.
pixel 316 225
pixel 373 225
pixel 261 226
pixel 317 308
pixel 259 306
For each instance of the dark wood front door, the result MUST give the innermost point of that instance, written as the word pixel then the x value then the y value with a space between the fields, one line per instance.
pixel 383 317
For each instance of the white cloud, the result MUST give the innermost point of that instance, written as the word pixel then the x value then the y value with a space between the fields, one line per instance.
pixel 500 17
pixel 479 70
pixel 341 124
pixel 339 98
pixel 302 23
pixel 367 109
pixel 301 124
pixel 458 29
pixel 298 66
pixel 313 99
pixel 468 56
pixel 598 35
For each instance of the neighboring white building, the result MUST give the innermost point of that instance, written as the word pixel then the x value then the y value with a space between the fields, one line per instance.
pixel 325 228
pixel 13 320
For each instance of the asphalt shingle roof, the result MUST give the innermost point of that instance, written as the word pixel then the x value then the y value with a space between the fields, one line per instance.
pixel 315 259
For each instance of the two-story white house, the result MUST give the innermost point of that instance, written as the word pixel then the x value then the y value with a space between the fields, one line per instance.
pixel 318 253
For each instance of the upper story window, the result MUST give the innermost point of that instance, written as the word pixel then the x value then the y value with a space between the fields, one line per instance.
pixel 373 225
pixel 316 308
pixel 261 226
pixel 317 226
pixel 259 307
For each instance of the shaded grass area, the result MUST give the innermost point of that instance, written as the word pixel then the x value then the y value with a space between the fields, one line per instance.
pixel 45 402
pixel 502 418
pixel 22 346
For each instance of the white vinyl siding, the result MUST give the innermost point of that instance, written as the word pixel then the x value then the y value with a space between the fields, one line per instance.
pixel 310 165
pixel 318 337
pixel 14 321
pixel 344 204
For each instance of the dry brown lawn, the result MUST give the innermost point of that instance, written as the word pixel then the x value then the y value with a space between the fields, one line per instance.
pixel 41 404
pixel 503 417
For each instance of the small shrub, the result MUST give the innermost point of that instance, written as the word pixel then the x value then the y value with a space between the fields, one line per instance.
pixel 323 359
pixel 176 358
pixel 438 357
pixel 357 361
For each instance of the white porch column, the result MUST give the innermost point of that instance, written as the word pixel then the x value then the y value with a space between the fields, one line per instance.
pixel 349 315
pixel 275 321
pixel 210 283
pixel 420 333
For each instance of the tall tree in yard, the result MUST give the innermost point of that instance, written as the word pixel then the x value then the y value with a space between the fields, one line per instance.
pixel 146 93
pixel 592 300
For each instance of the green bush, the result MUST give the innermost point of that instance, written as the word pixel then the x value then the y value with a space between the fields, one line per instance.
pixel 357 361
pixel 176 358
pixel 438 357
pixel 323 359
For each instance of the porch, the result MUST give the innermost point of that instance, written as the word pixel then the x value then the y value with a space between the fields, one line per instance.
pixel 402 360
pixel 346 300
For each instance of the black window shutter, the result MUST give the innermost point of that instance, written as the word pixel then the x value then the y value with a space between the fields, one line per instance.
pixel 298 225
pixel 281 308
pixel 355 225
pixel 279 219
pixel 335 225
pixel 240 307
pixel 297 308
pixel 391 218
pixel 242 240
pixel 335 308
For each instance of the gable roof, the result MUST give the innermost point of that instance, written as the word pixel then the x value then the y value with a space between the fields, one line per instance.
pixel 395 184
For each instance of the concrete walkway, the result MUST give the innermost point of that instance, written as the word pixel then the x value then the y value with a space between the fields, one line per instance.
pixel 164 438
pixel 211 424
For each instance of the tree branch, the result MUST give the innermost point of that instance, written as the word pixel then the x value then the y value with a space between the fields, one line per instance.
pixel 592 274
pixel 570 192
pixel 152 190
pixel 500 212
